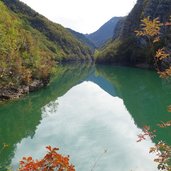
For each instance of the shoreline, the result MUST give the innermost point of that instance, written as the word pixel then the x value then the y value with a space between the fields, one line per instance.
pixel 15 93
pixel 12 93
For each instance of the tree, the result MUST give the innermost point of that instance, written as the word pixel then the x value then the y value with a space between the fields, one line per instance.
pixel 52 161
pixel 151 29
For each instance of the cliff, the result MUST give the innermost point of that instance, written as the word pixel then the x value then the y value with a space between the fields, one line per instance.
pixel 126 48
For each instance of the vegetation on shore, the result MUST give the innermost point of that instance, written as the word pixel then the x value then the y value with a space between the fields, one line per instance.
pixel 23 56
pixel 128 49
pixel 151 29
pixel 30 48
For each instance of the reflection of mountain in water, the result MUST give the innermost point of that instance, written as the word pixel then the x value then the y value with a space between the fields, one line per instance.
pixel 144 95
pixel 19 119
pixel 103 83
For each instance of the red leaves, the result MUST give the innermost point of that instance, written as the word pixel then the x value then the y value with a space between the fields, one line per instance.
pixel 146 133
pixel 163 152
pixel 50 162
pixel 49 148
pixel 141 137
pixel 161 149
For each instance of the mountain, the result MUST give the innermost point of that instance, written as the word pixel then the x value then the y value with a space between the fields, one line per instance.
pixel 104 33
pixel 30 47
pixel 126 47
pixel 65 45
pixel 82 38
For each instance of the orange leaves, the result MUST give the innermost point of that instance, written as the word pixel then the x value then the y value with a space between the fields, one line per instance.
pixel 156 39
pixel 146 133
pixel 151 30
pixel 161 149
pixel 149 27
pixel 161 54
pixel 163 152
pixel 164 124
pixel 166 73
pixel 50 162
pixel 49 148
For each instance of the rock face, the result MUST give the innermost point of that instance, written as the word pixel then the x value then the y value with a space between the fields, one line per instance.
pixel 15 93
pixel 126 48
pixel 145 8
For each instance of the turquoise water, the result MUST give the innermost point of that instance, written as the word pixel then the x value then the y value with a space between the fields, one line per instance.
pixel 92 113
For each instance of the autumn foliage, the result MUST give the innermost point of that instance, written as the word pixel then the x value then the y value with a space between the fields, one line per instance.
pixel 23 58
pixel 146 133
pixel 151 29
pixel 50 162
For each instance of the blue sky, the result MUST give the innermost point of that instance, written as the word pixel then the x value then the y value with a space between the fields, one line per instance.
pixel 80 15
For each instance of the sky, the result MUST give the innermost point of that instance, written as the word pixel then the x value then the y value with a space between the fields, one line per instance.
pixel 84 16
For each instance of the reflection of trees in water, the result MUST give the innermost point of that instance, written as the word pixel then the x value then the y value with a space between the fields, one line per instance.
pixel 145 96
pixel 19 119
pixel 49 109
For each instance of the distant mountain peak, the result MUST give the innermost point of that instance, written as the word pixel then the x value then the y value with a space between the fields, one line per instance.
pixel 104 33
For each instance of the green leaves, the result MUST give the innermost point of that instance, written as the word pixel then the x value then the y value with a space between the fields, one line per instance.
pixel 22 56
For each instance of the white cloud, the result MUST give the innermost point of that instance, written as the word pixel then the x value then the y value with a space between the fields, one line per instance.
pixel 83 16
pixel 83 123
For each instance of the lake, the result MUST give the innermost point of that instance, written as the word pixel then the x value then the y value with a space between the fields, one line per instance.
pixel 92 113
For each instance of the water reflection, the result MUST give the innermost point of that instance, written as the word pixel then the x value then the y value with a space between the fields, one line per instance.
pixel 85 110
pixel 49 109
pixel 19 119
pixel 145 96
pixel 87 121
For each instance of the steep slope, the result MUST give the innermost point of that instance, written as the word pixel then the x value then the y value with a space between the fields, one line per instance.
pixel 30 45
pixel 104 33
pixel 64 44
pixel 23 57
pixel 126 48
pixel 82 38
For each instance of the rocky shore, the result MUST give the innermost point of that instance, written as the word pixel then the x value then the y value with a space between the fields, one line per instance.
pixel 15 93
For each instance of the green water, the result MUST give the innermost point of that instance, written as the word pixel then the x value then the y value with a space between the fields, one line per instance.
pixel 86 110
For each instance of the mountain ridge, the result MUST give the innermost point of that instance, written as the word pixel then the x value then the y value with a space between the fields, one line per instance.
pixel 82 38
pixel 54 32
pixel 128 49
pixel 30 48
pixel 104 33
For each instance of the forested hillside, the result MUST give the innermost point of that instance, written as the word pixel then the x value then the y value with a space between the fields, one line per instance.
pixel 82 38
pixel 126 47
pixel 62 41
pixel 30 46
